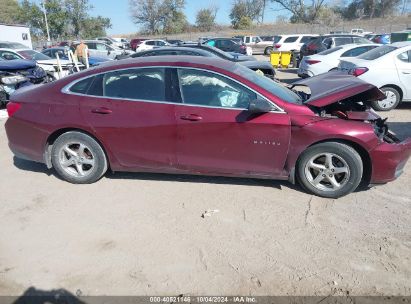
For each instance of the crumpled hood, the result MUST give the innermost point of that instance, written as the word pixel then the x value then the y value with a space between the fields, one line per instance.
pixel 335 86
pixel 16 64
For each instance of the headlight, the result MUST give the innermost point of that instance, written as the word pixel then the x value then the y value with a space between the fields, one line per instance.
pixel 13 79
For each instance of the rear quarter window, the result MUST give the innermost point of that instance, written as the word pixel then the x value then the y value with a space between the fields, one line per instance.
pixel 377 52
pixel 82 86
pixel 291 39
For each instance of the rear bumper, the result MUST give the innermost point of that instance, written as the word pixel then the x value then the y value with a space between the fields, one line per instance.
pixel 25 140
pixel 389 160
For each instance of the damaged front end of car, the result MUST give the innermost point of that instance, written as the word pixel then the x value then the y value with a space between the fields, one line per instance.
pixel 15 74
pixel 338 95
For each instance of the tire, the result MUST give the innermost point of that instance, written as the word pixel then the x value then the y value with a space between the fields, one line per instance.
pixel 78 158
pixel 391 102
pixel 294 61
pixel 268 50
pixel 328 183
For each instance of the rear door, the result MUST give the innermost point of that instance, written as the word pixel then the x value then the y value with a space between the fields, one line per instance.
pixel 132 112
pixel 403 64
pixel 216 134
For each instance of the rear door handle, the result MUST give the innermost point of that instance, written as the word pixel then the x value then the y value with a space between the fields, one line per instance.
pixel 406 72
pixel 101 110
pixel 191 117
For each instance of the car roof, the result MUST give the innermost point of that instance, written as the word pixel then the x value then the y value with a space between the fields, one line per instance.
pixel 176 48
pixel 401 44
pixel 161 60
pixel 15 50
pixel 352 45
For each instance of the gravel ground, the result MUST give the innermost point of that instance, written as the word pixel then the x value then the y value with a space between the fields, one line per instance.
pixel 143 234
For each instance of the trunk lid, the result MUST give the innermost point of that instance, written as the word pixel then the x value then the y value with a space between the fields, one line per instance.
pixel 335 86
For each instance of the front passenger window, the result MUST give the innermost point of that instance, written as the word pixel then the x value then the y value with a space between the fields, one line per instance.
pixel 208 89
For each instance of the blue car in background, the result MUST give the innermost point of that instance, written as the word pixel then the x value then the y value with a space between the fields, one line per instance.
pixel 18 73
pixel 63 54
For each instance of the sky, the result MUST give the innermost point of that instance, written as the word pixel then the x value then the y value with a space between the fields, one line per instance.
pixel 118 12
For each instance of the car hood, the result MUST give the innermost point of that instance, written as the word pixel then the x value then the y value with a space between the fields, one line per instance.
pixel 16 64
pixel 335 86
pixel 54 62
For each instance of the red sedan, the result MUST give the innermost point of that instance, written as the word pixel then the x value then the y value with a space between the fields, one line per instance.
pixel 206 116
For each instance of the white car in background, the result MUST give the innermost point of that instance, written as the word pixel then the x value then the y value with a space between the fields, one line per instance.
pixel 292 42
pixel 100 49
pixel 151 44
pixel 389 68
pixel 329 59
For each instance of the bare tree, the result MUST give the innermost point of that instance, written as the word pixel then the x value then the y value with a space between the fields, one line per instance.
pixel 148 13
pixel 300 10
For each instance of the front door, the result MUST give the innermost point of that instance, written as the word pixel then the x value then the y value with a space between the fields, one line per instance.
pixel 133 115
pixel 217 135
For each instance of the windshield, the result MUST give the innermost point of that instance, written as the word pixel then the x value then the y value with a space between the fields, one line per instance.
pixel 377 52
pixel 33 55
pixel 267 84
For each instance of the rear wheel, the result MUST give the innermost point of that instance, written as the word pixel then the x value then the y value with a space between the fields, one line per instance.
pixel 393 98
pixel 268 50
pixel 78 158
pixel 330 169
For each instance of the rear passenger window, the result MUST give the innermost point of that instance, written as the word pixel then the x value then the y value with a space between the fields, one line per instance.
pixel 291 39
pixel 139 84
pixel 305 39
pixel 82 86
pixel 342 40
pixel 405 57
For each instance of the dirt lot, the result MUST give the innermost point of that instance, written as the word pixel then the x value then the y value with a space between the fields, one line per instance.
pixel 143 234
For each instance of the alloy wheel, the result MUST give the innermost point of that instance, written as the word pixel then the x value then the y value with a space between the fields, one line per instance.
pixel 77 159
pixel 327 171
pixel 389 101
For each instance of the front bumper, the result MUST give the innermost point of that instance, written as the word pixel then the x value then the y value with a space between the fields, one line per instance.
pixel 389 160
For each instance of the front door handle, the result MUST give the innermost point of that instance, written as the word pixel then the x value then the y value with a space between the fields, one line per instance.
pixel 191 117
pixel 101 110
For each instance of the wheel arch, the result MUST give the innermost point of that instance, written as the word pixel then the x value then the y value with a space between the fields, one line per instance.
pixel 57 133
pixel 365 157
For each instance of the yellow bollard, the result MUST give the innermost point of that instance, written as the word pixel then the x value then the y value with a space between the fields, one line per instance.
pixel 285 59
pixel 275 58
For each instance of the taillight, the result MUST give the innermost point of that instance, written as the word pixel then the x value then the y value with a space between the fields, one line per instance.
pixel 311 61
pixel 277 46
pixel 13 107
pixel 358 71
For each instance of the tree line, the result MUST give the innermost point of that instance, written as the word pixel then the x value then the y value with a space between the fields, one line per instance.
pixel 167 16
pixel 66 18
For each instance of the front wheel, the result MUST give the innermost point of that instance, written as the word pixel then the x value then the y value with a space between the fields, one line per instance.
pixel 330 169
pixel 393 98
pixel 268 50
pixel 78 158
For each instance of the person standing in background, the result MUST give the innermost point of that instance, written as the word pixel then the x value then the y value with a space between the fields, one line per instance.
pixel 80 52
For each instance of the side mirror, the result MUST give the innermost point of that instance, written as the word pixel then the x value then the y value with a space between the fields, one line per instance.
pixel 259 106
